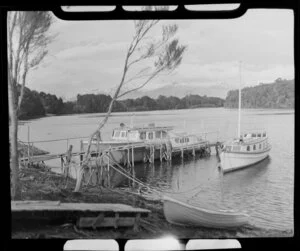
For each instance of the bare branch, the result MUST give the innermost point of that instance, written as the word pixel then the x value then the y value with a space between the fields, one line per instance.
pixel 142 85
pixel 138 75
pixel 165 55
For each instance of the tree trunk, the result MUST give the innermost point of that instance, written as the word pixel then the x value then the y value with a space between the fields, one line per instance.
pixel 103 122
pixel 13 137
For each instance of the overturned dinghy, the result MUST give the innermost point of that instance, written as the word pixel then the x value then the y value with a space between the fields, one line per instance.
pixel 180 213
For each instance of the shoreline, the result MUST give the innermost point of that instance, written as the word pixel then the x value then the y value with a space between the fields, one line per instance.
pixel 22 121
pixel 44 185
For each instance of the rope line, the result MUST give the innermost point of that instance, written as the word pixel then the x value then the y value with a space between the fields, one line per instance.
pixel 129 176
pixel 52 140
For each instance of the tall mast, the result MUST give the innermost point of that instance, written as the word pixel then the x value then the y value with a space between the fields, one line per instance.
pixel 239 122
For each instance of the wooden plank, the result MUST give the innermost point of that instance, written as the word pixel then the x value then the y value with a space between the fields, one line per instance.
pixel 89 222
pixel 136 223
pixel 18 206
pixel 37 202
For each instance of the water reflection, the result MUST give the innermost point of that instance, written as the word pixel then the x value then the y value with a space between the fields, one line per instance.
pixel 265 190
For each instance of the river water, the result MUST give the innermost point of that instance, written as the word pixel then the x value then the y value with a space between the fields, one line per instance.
pixel 265 190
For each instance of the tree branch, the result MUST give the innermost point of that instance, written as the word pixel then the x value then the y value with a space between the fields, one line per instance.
pixel 142 85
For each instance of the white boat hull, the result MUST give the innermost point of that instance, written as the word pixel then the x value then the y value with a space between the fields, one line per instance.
pixel 180 213
pixel 231 161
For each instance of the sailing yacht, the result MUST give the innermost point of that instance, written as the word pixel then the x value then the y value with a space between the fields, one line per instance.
pixel 247 149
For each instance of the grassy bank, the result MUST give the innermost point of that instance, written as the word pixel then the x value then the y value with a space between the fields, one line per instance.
pixel 45 185
pixel 23 150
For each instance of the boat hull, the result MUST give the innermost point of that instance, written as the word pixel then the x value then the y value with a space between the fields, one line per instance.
pixel 180 213
pixel 121 156
pixel 231 161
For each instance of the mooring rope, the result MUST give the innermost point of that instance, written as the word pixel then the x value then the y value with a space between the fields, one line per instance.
pixel 155 189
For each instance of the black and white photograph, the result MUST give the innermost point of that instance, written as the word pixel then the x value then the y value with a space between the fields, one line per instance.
pixel 142 128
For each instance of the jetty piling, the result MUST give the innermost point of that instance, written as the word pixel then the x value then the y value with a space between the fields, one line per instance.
pixel 162 151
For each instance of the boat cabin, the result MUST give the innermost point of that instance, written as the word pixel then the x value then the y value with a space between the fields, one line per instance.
pixel 249 142
pixel 145 133
pixel 183 138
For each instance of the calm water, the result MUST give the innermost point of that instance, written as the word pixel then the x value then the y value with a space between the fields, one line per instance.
pixel 265 190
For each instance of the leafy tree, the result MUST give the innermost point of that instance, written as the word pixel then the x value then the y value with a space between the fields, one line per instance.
pixel 279 94
pixel 51 103
pixel 31 105
pixel 163 54
pixel 27 41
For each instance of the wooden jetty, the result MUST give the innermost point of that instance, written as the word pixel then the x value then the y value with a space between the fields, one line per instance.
pixel 86 214
pixel 129 148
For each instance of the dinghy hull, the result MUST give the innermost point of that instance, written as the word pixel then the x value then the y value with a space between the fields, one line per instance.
pixel 180 213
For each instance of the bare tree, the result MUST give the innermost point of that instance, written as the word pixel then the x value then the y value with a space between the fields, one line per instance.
pixel 27 40
pixel 160 56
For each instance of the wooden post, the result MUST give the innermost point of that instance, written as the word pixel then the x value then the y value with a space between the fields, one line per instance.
pixel 194 153
pixel 153 153
pixel 128 157
pixel 67 165
pixel 182 153
pixel 136 222
pixel 62 164
pixel 108 175
pixel 28 145
pixel 133 174
pixel 160 153
pixel 68 160
pixel 98 144
pixel 132 156
pixel 116 220
pixel 101 174
pixel 67 144
pixel 81 150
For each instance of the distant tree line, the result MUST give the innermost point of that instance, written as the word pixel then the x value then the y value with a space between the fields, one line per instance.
pixel 280 94
pixel 37 104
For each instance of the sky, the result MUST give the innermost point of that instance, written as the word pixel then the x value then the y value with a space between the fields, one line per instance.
pixel 88 56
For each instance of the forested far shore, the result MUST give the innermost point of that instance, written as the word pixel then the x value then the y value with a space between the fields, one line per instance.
pixel 277 95
pixel 38 104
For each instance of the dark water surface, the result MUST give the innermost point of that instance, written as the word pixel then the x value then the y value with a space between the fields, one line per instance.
pixel 265 190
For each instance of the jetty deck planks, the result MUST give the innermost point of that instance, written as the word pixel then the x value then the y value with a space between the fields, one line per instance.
pixel 87 215
pixel 20 206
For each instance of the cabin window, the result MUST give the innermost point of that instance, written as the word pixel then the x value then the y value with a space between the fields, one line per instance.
pixel 228 148
pixel 245 135
pixel 143 135
pixel 181 140
pixel 236 148
pixel 157 134
pixel 123 134
pixel 187 139
pixel 150 135
pixel 177 140
pixel 117 134
pixel 259 135
pixel 253 135
pixel 248 148
pixel 264 134
pixel 254 147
